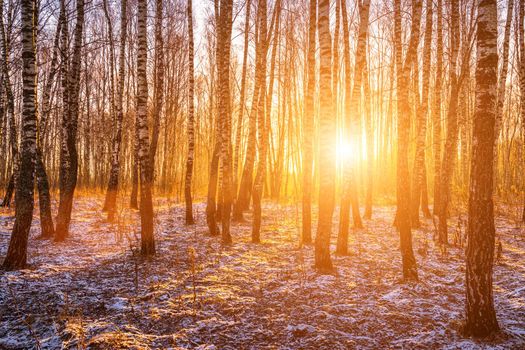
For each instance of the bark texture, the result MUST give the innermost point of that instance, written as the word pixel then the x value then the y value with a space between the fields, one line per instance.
pixel 112 189
pixel 436 106
pixel 146 205
pixel 246 186
pixel 68 154
pixel 353 135
pixel 323 261
pixel 223 61
pixel 403 128
pixel 481 316
pixel 261 126
pixel 421 122
pixel 308 133
pixel 191 120
pixel 451 142
pixel 16 257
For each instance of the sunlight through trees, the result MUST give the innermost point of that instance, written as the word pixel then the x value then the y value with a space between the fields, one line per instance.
pixel 336 112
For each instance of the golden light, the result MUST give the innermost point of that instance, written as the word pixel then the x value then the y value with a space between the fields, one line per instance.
pixel 347 151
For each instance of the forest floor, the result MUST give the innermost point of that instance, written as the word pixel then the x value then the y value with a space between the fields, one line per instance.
pixel 92 291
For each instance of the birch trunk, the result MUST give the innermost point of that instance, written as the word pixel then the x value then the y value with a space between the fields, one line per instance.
pixel 245 189
pixel 112 189
pixel 16 257
pixel 240 120
pixel 403 128
pixel 262 127
pixel 436 107
pixel 503 74
pixel 521 30
pixel 191 121
pixel 223 60
pixel 352 97
pixel 158 86
pixel 145 164
pixel 308 133
pixel 13 139
pixel 323 261
pixel 68 154
pixel 422 110
pixel 44 197
pixel 481 317
pixel 451 142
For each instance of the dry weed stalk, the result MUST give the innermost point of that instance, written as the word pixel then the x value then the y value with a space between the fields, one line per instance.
pixel 191 253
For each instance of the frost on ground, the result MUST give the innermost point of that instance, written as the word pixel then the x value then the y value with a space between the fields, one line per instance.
pixel 93 291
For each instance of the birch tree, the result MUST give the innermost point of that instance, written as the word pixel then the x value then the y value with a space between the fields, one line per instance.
pixel 223 61
pixel 242 97
pixel 421 123
pixel 191 119
pixel 158 91
pixel 451 142
pixel 145 164
pixel 323 261
pixel 352 98
pixel 436 107
pixel 13 139
pixel 68 153
pixel 403 127
pixel 308 131
pixel 481 316
pixel 262 127
pixel 521 68
pixel 112 189
pixel 16 257
pixel 246 185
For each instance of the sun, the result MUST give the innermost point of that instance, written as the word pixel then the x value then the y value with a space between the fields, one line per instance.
pixel 348 151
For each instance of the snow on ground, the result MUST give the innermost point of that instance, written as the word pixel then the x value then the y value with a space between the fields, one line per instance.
pixel 93 292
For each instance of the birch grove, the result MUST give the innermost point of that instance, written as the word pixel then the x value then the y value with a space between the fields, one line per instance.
pixel 319 123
